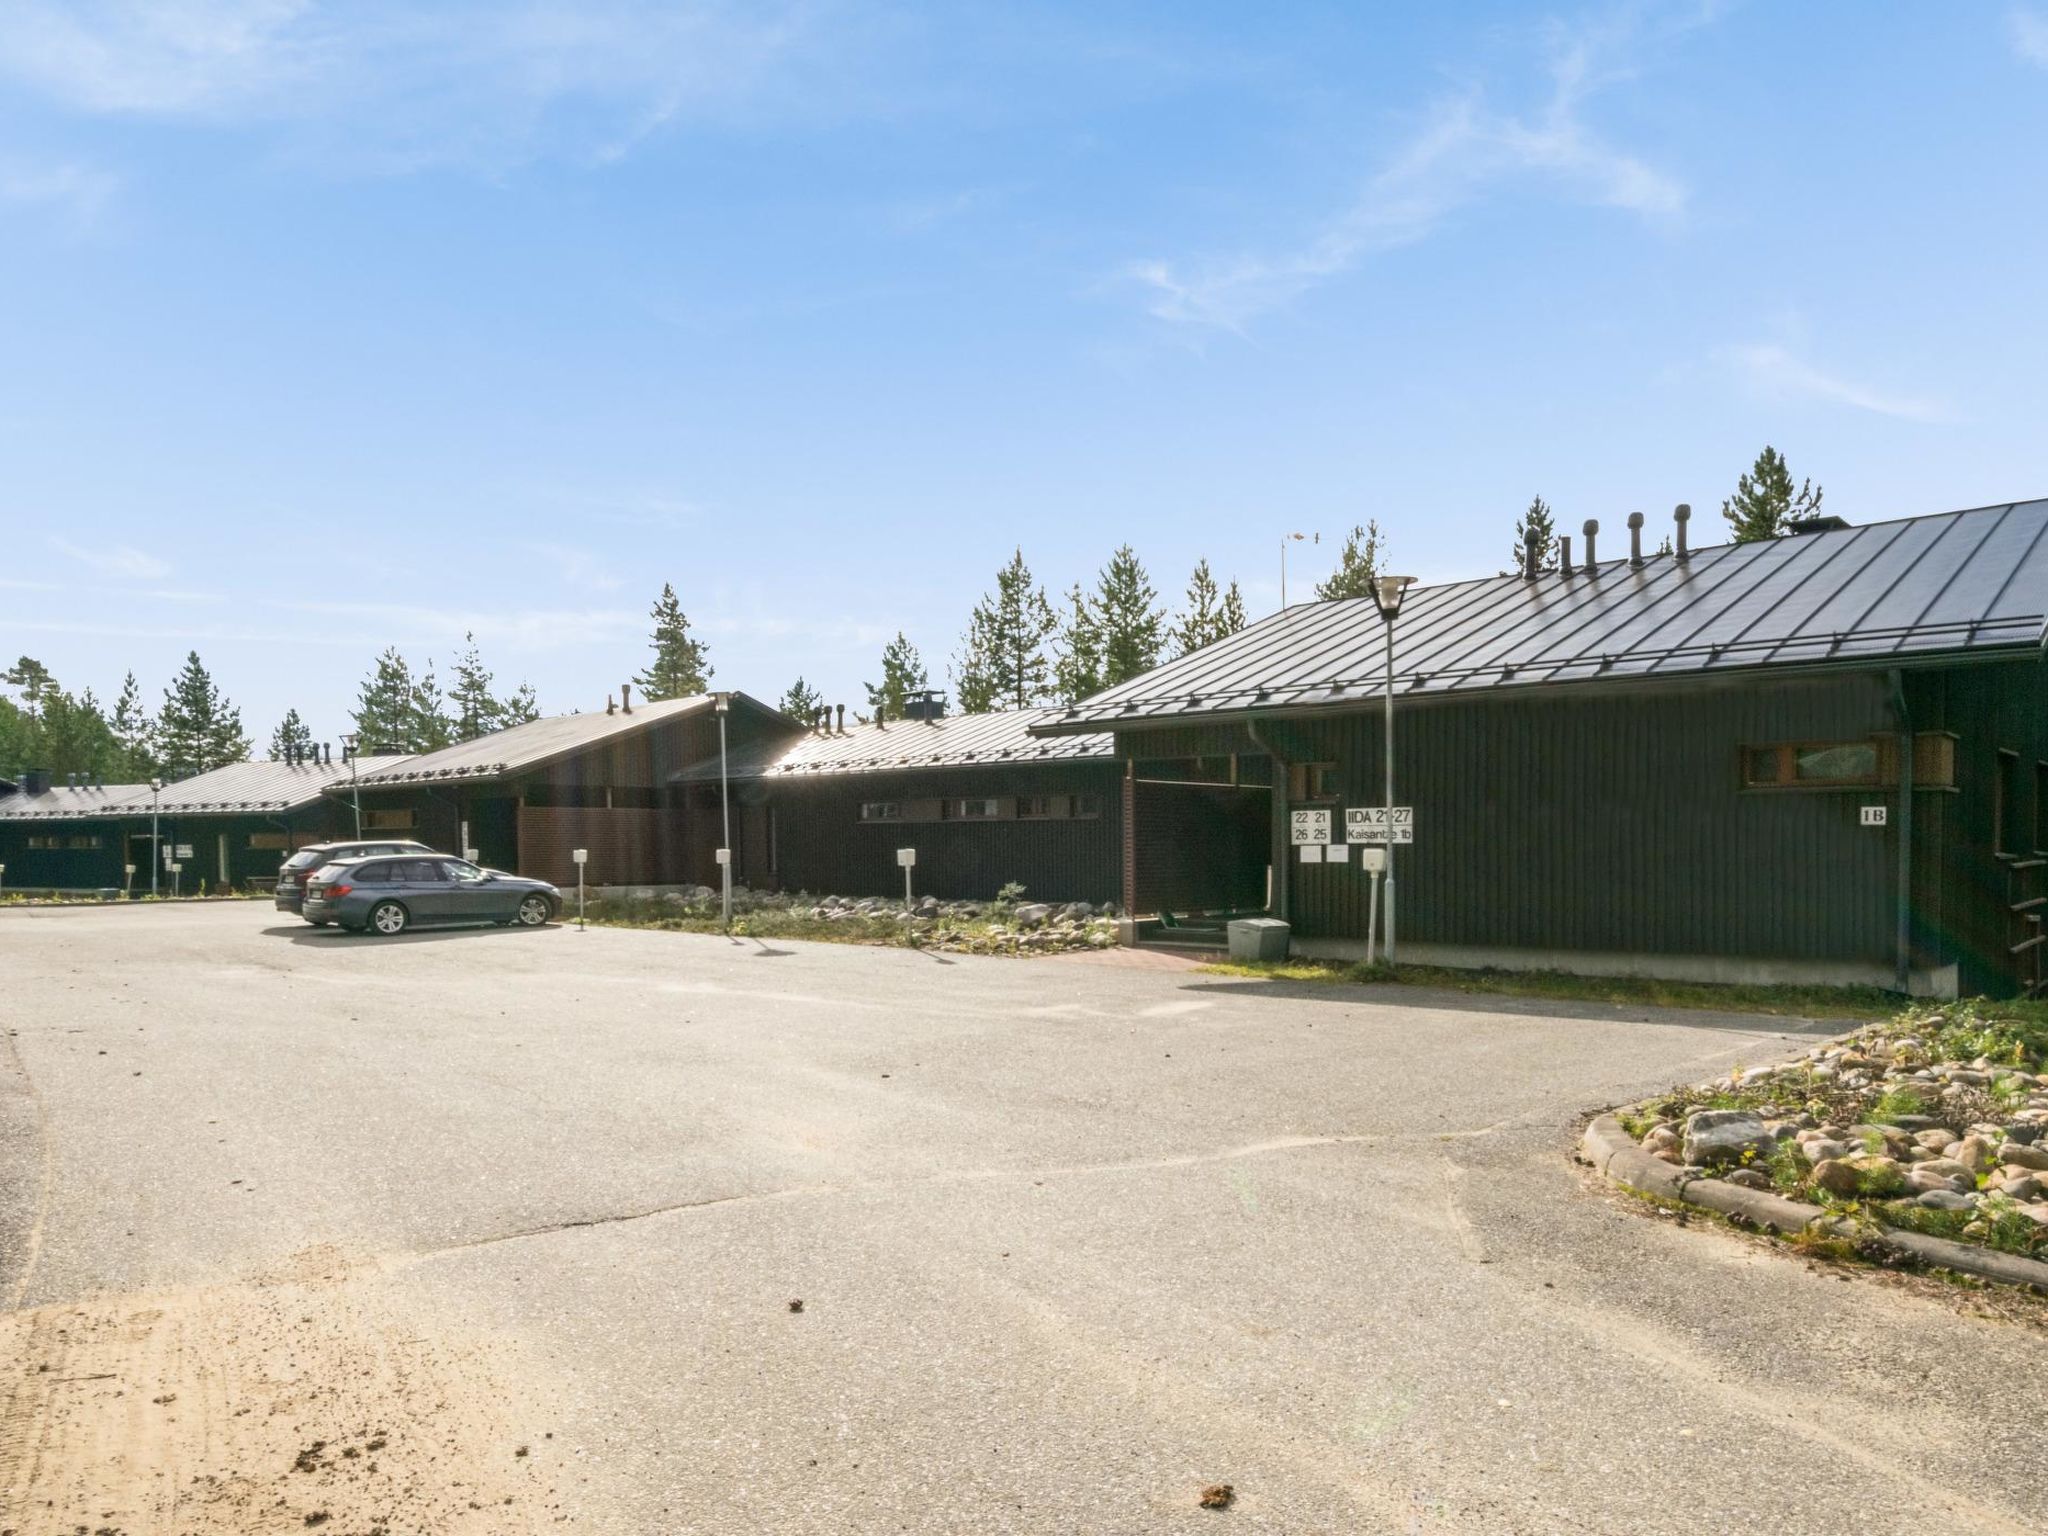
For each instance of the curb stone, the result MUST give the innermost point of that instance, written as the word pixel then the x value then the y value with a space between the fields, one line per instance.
pixel 1614 1154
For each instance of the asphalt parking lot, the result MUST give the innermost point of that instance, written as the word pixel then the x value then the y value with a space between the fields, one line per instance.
pixel 497 1230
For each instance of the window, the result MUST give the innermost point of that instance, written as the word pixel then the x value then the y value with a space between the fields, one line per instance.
pixel 2005 804
pixel 272 840
pixel 421 872
pixel 1313 781
pixel 981 809
pixel 1040 807
pixel 388 821
pixel 1810 765
pixel 881 810
pixel 461 871
pixel 81 842
pixel 1087 805
pixel 38 843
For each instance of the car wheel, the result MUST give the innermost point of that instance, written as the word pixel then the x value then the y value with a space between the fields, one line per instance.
pixel 534 911
pixel 389 918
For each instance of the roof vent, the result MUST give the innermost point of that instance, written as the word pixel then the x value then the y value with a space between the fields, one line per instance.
pixel 1825 523
pixel 626 698
pixel 1592 560
pixel 1635 540
pixel 1681 515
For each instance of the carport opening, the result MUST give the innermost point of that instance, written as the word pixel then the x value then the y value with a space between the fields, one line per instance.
pixel 1200 844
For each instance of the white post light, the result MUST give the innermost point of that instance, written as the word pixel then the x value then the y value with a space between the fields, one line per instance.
pixel 582 857
pixel 348 750
pixel 1292 538
pixel 722 704
pixel 177 871
pixel 1387 592
pixel 127 879
pixel 156 838
pixel 907 857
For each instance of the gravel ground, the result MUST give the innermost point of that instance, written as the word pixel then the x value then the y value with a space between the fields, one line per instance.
pixel 1073 1243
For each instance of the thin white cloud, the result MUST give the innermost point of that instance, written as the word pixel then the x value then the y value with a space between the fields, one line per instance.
pixel 1777 373
pixel 577 567
pixel 78 193
pixel 401 86
pixel 122 561
pixel 1464 150
pixel 2029 32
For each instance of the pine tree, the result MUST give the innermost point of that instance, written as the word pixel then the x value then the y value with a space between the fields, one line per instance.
pixel 1078 671
pixel 1133 624
pixel 1764 501
pixel 72 736
pixel 292 735
pixel 427 712
pixel 903 674
pixel 134 731
pixel 518 706
pixel 1536 520
pixel 1364 554
pixel 679 668
pixel 477 711
pixel 34 681
pixel 801 702
pixel 383 713
pixel 1209 616
pixel 1003 662
pixel 197 729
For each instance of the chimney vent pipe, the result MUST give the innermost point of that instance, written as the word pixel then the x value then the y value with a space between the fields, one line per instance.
pixel 1682 515
pixel 1592 560
pixel 1532 554
pixel 1564 553
pixel 1635 539
pixel 839 725
pixel 881 714
pixel 610 708
pixel 626 697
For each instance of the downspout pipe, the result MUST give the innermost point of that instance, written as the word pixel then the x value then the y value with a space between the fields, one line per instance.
pixel 1282 772
pixel 1903 963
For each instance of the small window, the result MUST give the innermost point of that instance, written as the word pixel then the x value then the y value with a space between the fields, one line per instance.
pixel 1312 781
pixel 976 810
pixel 1811 765
pixel 388 821
pixel 1087 806
pixel 267 840
pixel 36 842
pixel 881 810
pixel 2005 804
pixel 82 842
pixel 369 874
pixel 1040 807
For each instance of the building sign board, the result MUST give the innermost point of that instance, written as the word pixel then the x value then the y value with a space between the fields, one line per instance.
pixel 906 857
pixel 1370 824
pixel 1875 815
pixel 1311 853
pixel 1310 827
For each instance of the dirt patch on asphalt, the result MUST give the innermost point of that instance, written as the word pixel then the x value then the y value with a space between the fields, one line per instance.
pixel 290 1403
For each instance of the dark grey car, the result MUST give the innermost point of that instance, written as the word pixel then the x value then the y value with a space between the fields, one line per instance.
pixel 390 895
pixel 290 894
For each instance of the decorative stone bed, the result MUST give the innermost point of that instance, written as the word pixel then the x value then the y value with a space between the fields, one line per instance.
pixel 1006 926
pixel 1926 1135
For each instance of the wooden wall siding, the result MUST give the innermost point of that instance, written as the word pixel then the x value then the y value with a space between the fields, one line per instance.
pixel 647 759
pixel 822 846
pixel 1961 885
pixel 89 869
pixel 636 847
pixel 1198 849
pixel 1618 823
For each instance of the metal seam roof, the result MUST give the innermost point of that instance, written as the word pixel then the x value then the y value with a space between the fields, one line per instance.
pixel 899 746
pixel 1956 582
pixel 252 788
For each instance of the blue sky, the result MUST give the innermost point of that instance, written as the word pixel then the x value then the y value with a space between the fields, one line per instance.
pixel 327 327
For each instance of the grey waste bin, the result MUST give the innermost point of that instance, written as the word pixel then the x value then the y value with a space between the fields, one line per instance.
pixel 1259 938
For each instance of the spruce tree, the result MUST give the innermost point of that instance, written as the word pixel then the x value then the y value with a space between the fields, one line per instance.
pixel 197 729
pixel 903 674
pixel 801 702
pixel 1364 554
pixel 383 713
pixel 518 706
pixel 1132 622
pixel 135 731
pixel 1209 616
pixel 292 735
pixel 427 712
pixel 1078 672
pixel 72 736
pixel 1002 662
pixel 476 709
pixel 679 669
pixel 1764 501
pixel 1536 520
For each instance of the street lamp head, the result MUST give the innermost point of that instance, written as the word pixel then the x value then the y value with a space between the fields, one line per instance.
pixel 156 786
pixel 1387 592
pixel 722 702
pixel 348 742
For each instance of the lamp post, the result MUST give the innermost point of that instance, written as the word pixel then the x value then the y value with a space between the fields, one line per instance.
pixel 1387 592
pixel 348 750
pixel 1292 538
pixel 156 843
pixel 722 703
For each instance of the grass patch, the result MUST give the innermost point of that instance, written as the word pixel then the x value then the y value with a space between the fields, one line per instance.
pixel 1994 1224
pixel 1790 1001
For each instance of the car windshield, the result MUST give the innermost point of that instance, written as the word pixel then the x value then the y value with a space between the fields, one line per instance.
pixel 306 858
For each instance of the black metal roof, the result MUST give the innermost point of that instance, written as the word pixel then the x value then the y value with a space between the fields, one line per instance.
pixel 239 789
pixel 952 741
pixel 521 748
pixel 1972 583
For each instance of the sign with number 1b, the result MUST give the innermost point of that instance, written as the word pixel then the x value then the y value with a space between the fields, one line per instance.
pixel 1379 824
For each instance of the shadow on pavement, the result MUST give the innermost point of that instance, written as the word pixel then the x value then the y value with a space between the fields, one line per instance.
pixel 307 934
pixel 1449 1001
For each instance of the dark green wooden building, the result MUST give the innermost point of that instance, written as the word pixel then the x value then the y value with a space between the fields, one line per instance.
pixel 1823 757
